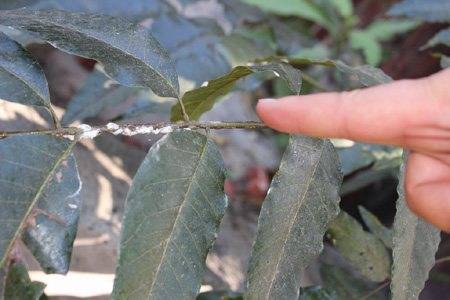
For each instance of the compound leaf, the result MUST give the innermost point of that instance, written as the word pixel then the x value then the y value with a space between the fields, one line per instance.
pixel 303 199
pixel 198 101
pixel 171 220
pixel 362 249
pixel 36 175
pixel 415 243
pixel 429 10
pixel 345 285
pixel 21 78
pixel 128 51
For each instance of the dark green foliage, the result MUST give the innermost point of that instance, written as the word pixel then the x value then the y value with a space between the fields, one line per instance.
pixel 293 219
pixel 172 217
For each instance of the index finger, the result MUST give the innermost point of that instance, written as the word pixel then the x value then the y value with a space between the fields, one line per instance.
pixel 392 113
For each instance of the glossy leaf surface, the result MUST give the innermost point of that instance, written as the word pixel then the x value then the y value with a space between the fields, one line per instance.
pixel 303 199
pixel 128 51
pixel 172 216
pixel 375 226
pixel 363 250
pixel 96 93
pixel 198 101
pixel 429 10
pixel 19 286
pixel 415 243
pixel 345 285
pixel 33 167
pixel 21 78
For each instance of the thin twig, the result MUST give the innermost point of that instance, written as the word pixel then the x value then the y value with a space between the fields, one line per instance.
pixel 376 290
pixel 86 131
pixel 441 260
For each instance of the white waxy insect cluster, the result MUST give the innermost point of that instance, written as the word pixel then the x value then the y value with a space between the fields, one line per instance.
pixel 142 129
pixel 88 132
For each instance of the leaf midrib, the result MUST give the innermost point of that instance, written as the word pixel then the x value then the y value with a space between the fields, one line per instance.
pixel 293 221
pixel 177 218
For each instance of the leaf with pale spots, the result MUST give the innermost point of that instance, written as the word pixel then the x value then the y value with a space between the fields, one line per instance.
pixel 172 216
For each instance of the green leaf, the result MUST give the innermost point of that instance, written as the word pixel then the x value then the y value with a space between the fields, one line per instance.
pixel 303 9
pixel 428 10
pixel 148 103
pixel 345 7
pixel 384 30
pixel 238 12
pixel 445 61
pixel 315 293
pixel 360 40
pixel 11 4
pixel 128 51
pixel 217 295
pixel 171 220
pixel 375 226
pixel 21 78
pixel 415 243
pixel 3 273
pixel 52 225
pixel 136 10
pixel 361 155
pixel 363 250
pixel 367 75
pixel 96 93
pixel 346 285
pixel 33 166
pixel 192 45
pixel 18 285
pixel 303 199
pixel 198 101
pixel 239 50
pixel 442 37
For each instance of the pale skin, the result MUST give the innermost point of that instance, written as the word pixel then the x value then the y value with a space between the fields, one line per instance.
pixel 413 114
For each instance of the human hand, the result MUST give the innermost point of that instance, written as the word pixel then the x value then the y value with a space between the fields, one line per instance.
pixel 413 114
